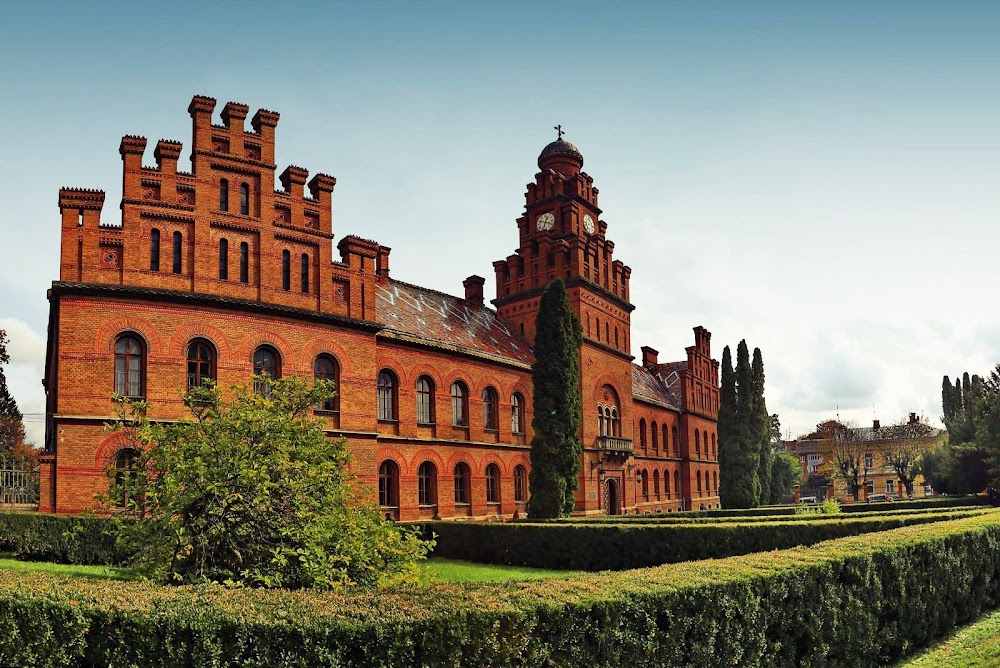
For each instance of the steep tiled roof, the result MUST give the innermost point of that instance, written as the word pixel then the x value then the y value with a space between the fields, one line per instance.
pixel 651 389
pixel 434 318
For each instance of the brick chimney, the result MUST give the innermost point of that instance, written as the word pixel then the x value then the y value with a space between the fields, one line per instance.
pixel 649 356
pixel 913 418
pixel 875 425
pixel 474 290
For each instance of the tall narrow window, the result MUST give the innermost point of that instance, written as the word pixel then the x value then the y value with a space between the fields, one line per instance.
pixel 655 433
pixel 223 195
pixel 491 418
pixel 267 363
pixel 154 250
pixel 459 401
pixel 698 478
pixel 645 485
pixel 244 199
pixel 224 259
pixel 463 480
pixel 200 363
pixel 326 368
pixel 697 444
pixel 656 485
pixel 516 414
pixel 386 395
pixel 427 484
pixel 520 478
pixel 244 262
pixel 666 441
pixel 676 444
pixel 126 472
pixel 130 366
pixel 388 484
pixel 492 484
pixel 677 484
pixel 305 273
pixel 642 434
pixel 666 485
pixel 178 239
pixel 286 270
pixel 425 400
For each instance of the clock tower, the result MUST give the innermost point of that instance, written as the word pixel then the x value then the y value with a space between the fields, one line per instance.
pixel 561 235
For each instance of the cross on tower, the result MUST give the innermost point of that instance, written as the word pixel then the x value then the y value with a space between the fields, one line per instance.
pixel 558 128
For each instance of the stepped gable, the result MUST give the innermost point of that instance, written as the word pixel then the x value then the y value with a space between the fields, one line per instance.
pixel 447 321
pixel 650 388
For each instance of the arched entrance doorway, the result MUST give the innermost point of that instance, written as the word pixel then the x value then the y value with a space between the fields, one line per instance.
pixel 611 501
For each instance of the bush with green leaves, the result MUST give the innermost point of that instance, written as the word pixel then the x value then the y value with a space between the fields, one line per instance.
pixel 60 538
pixel 607 546
pixel 836 605
pixel 251 492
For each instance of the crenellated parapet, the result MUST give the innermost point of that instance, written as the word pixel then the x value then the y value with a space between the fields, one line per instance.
pixel 221 228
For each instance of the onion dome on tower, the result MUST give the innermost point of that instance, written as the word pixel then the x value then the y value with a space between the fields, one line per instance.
pixel 561 156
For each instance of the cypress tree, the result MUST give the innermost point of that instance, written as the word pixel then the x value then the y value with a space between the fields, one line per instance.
pixel 11 425
pixel 556 448
pixel 947 399
pixel 728 459
pixel 763 428
pixel 747 489
pixel 957 399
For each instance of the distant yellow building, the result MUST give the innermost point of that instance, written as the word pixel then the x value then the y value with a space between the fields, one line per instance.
pixel 871 452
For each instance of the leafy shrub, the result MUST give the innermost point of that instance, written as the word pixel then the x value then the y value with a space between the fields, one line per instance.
pixel 606 546
pixel 60 538
pixel 835 605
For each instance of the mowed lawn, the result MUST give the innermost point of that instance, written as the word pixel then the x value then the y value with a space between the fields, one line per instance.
pixel 974 646
pixel 434 570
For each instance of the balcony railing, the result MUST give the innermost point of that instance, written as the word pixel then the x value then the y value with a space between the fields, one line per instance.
pixel 615 444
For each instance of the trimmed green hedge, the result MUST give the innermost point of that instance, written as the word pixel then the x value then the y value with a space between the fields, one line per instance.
pixel 836 605
pixel 860 507
pixel 598 547
pixel 61 538
pixel 673 518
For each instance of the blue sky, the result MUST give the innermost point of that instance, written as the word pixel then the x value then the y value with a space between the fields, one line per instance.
pixel 818 178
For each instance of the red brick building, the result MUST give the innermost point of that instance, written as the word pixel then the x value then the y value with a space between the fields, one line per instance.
pixel 214 274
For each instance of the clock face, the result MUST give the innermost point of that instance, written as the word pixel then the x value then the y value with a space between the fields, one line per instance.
pixel 588 223
pixel 545 222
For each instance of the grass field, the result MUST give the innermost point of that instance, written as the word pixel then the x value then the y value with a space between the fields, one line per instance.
pixel 974 646
pixel 435 570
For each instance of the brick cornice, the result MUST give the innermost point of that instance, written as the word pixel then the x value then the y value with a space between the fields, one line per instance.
pixel 576 281
pixel 99 290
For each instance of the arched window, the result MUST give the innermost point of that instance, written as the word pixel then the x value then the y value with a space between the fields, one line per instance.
pixel 609 423
pixel 244 199
pixel 244 262
pixel 520 483
pixel 666 441
pixel 126 472
pixel 305 273
pixel 492 484
pixel 642 434
pixel 286 270
pixel 698 478
pixel 714 451
pixel 677 484
pixel 666 484
pixel 386 395
pixel 427 484
pixel 517 414
pixel 425 400
pixel 697 444
pixel 154 250
pixel 676 444
pixel 715 482
pixel 656 438
pixel 130 366
pixel 326 368
pixel 491 406
pixel 463 483
pixel 459 404
pixel 388 484
pixel 178 239
pixel 645 485
pixel 223 195
pixel 200 363
pixel 224 259
pixel 656 485
pixel 267 363
pixel 616 427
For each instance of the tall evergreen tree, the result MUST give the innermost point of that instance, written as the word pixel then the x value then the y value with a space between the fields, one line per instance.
pixel 947 399
pixel 11 419
pixel 762 428
pixel 729 476
pixel 556 448
pixel 747 490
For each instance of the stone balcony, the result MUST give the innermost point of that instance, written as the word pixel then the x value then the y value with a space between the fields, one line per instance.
pixel 615 445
